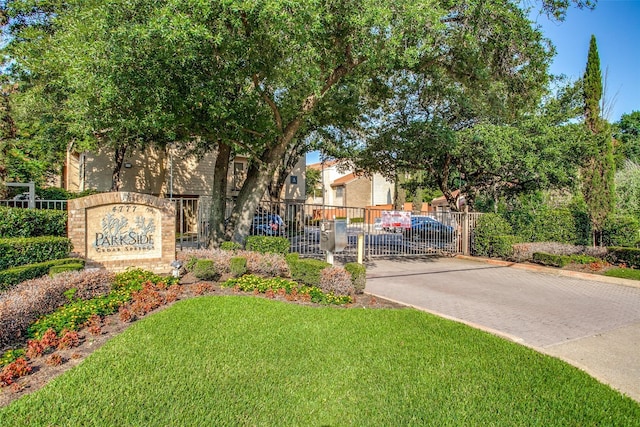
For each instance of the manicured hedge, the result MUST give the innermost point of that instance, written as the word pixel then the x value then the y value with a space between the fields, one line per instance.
pixel 358 276
pixel 238 266
pixel 629 256
pixel 307 271
pixel 13 276
pixel 15 252
pixel 205 269
pixel 57 269
pixel 268 244
pixel 18 222
pixel 551 259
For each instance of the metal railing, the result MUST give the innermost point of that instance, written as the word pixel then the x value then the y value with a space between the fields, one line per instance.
pixel 450 233
pixel 60 205
pixel 430 233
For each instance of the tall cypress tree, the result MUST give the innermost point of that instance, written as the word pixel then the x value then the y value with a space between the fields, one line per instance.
pixel 599 170
pixel 592 84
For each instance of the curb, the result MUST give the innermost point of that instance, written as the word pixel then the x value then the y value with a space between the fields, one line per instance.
pixel 555 271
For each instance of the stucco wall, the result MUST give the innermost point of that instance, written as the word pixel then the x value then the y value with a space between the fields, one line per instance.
pixel 163 173
pixel 358 193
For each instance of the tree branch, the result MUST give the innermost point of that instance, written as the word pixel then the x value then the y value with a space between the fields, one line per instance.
pixel 269 101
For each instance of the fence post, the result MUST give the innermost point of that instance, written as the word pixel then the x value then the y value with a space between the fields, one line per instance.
pixel 465 231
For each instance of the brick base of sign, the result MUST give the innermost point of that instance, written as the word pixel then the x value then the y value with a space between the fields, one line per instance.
pixel 121 230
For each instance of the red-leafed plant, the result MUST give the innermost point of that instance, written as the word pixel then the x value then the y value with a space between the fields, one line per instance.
pixel 95 325
pixel 54 360
pixel 11 372
pixel 70 339
pixel 125 315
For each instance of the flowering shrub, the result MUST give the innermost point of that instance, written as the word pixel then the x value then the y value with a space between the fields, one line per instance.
pixel 134 279
pixel 14 370
pixel 336 280
pixel 77 313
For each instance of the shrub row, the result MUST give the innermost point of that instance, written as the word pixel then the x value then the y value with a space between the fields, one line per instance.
pixel 208 264
pixel 12 276
pixel 627 256
pixel 18 222
pixel 26 302
pixel 22 251
pixel 289 289
pixel 267 264
pixel 556 260
pixel 551 259
pixel 525 251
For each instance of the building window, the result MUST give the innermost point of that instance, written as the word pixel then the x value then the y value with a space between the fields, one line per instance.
pixel 339 192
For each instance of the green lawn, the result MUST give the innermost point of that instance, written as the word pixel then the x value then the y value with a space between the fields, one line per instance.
pixel 624 273
pixel 233 360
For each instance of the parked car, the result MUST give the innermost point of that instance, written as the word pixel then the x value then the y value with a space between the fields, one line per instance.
pixel 266 224
pixel 426 228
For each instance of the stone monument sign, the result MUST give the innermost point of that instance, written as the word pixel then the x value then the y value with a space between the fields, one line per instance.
pixel 121 230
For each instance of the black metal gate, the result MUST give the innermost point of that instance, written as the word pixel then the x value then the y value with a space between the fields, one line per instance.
pixel 428 233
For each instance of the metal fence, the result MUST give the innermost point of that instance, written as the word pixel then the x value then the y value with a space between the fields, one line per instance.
pixel 430 232
pixel 446 232
pixel 60 205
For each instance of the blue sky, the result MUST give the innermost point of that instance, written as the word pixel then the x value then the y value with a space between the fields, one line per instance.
pixel 616 25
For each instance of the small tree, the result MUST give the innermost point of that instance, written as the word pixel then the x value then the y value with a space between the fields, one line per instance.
pixel 599 170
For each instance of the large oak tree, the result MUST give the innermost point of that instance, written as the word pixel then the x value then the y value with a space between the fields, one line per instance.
pixel 256 77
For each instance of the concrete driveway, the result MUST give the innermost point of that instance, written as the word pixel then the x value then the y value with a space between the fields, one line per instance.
pixel 591 324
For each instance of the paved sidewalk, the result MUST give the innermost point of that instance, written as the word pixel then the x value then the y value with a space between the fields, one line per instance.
pixel 591 324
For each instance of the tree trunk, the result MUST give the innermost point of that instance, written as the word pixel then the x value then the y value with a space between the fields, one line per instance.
pixel 259 175
pixel 218 232
pixel 284 169
pixel 164 161
pixel 417 201
pixel 118 160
